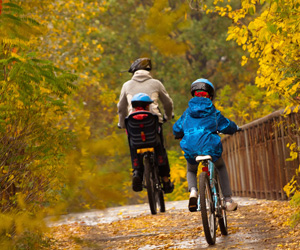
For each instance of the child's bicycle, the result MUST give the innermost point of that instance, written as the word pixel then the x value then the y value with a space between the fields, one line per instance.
pixel 143 137
pixel 211 201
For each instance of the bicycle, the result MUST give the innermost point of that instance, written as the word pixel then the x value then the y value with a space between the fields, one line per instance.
pixel 211 201
pixel 143 137
pixel 151 181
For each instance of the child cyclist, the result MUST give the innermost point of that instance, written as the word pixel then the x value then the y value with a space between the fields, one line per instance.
pixel 142 102
pixel 198 128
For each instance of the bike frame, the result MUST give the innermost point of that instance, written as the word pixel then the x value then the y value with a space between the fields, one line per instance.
pixel 216 198
pixel 209 168
pixel 149 153
pixel 155 195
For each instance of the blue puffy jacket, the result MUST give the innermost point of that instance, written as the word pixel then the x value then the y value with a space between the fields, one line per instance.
pixel 198 127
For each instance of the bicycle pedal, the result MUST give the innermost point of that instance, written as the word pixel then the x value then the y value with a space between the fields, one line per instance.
pixel 193 204
pixel 193 208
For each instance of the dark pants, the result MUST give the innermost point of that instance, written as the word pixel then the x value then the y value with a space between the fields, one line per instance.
pixel 223 174
pixel 161 157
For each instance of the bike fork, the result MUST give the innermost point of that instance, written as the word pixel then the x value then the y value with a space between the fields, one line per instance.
pixel 208 167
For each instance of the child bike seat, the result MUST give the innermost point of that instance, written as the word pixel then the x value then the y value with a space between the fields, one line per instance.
pixel 142 133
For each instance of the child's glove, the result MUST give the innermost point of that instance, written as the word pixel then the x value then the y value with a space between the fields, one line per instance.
pixel 178 137
pixel 239 129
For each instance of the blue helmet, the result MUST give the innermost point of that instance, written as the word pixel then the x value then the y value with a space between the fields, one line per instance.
pixel 141 100
pixel 203 84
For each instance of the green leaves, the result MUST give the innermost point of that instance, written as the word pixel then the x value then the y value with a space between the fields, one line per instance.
pixel 11 8
pixel 31 74
pixel 13 26
pixel 272 27
pixel 251 11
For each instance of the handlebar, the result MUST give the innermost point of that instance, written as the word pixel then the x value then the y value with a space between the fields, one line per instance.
pixel 164 118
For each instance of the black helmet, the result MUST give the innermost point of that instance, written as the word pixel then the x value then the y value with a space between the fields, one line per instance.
pixel 203 84
pixel 141 63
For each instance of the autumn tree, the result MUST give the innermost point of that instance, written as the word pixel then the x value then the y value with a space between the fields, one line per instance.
pixel 94 168
pixel 32 141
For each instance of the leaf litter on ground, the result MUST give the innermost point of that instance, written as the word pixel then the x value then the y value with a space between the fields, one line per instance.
pixel 260 226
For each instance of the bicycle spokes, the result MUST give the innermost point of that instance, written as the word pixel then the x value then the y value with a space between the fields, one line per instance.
pixel 207 209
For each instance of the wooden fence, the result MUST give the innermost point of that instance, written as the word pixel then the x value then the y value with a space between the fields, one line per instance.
pixel 256 157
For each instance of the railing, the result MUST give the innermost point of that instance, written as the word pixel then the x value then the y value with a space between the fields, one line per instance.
pixel 256 157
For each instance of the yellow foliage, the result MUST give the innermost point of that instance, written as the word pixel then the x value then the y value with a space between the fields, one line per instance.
pixel 178 176
pixel 271 36
pixel 84 176
pixel 163 36
pixel 16 224
pixel 294 151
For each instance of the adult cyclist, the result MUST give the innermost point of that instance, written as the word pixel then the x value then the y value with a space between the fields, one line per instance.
pixel 142 82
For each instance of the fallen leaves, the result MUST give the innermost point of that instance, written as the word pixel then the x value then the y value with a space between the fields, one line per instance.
pixel 262 226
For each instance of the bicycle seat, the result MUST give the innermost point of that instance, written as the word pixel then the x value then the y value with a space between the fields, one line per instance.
pixel 203 158
pixel 142 133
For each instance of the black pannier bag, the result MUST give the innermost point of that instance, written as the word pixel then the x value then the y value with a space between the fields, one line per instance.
pixel 142 133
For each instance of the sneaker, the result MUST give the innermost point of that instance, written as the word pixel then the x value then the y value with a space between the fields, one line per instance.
pixel 230 204
pixel 193 200
pixel 168 187
pixel 137 181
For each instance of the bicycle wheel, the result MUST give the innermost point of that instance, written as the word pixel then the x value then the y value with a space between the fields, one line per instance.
pixel 221 210
pixel 160 193
pixel 207 209
pixel 150 185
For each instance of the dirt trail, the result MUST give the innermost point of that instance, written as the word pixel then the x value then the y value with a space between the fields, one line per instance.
pixel 258 224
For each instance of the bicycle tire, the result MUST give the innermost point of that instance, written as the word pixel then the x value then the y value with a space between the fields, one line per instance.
pixel 158 191
pixel 207 209
pixel 221 213
pixel 161 200
pixel 150 185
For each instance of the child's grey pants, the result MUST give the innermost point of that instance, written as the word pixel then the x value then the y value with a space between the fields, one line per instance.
pixel 222 171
